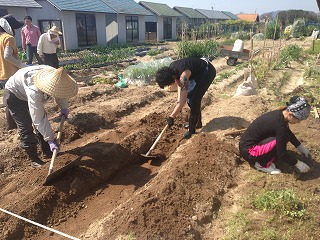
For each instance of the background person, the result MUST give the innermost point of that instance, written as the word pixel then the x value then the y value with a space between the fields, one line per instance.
pixel 193 76
pixel 267 136
pixel 9 60
pixel 47 47
pixel 30 35
pixel 26 93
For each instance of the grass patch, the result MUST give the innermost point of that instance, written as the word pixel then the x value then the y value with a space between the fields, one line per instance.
pixel 222 76
pixel 283 202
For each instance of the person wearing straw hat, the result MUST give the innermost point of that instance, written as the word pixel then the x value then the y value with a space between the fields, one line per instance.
pixel 266 138
pixel 26 93
pixel 47 46
pixel 9 60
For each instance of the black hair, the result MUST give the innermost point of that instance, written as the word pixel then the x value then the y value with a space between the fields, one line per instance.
pixel 28 18
pixel 164 76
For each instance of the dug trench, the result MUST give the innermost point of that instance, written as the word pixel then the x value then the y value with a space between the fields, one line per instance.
pixel 109 140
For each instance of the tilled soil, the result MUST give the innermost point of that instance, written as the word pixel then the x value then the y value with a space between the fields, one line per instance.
pixel 115 193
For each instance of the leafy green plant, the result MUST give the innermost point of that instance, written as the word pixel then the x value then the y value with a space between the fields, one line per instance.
pixel 154 52
pixel 206 48
pixel 299 28
pixel 283 202
pixel 288 54
pixel 272 30
pixel 223 76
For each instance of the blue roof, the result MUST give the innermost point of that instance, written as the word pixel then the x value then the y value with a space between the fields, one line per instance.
pixel 20 3
pixel 82 5
pixel 160 9
pixel 127 7
pixel 213 14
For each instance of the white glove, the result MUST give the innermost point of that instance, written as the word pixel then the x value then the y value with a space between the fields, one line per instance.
pixel 304 150
pixel 302 167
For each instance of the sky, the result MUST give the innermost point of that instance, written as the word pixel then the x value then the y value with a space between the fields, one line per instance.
pixel 244 6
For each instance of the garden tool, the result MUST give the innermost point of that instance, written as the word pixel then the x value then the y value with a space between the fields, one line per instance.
pixel 55 151
pixel 147 155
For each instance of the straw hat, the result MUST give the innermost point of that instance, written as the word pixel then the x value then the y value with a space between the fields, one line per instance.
pixel 56 83
pixel 55 30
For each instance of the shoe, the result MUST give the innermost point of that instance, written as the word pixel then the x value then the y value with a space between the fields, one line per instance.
pixel 36 163
pixel 271 169
pixel 193 119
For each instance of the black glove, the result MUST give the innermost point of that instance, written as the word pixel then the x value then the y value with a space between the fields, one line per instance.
pixel 170 122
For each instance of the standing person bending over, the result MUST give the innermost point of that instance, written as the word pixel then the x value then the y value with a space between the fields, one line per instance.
pixel 47 47
pixel 267 136
pixel 193 76
pixel 30 35
pixel 26 93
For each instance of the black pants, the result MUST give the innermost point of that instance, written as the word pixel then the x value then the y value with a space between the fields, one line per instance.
pixel 195 97
pixel 19 111
pixel 51 60
pixel 30 50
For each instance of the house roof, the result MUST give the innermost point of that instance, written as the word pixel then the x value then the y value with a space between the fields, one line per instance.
pixel 249 17
pixel 160 9
pixel 82 5
pixel 189 12
pixel 127 7
pixel 230 15
pixel 20 3
pixel 213 14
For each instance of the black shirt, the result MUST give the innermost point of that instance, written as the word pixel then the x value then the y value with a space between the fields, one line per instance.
pixel 197 66
pixel 270 124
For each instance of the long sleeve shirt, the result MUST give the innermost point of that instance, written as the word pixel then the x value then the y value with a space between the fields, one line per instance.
pixel 271 124
pixel 7 69
pixel 30 35
pixel 22 86
pixel 47 45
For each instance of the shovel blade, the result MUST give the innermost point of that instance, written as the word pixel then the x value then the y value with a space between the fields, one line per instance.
pixel 60 171
pixel 148 156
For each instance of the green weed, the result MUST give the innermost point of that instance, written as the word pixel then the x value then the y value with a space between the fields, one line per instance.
pixel 283 202
pixel 288 54
pixel 237 226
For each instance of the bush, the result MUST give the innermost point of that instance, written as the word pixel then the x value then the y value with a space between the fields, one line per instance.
pixel 206 48
pixel 272 30
pixel 241 35
pixel 288 54
pixel 299 28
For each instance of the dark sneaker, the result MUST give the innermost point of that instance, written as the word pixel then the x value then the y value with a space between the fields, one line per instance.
pixel 36 163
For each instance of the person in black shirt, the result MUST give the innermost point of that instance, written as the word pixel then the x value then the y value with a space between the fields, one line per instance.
pixel 267 136
pixel 193 76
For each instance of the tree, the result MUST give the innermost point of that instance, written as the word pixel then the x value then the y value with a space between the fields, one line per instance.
pixel 318 2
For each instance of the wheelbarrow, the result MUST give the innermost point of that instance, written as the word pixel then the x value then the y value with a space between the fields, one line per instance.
pixel 233 56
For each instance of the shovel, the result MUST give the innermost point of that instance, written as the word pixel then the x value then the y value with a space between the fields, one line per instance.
pixel 147 155
pixel 55 152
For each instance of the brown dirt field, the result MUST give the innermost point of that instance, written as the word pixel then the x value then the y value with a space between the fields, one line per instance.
pixel 115 193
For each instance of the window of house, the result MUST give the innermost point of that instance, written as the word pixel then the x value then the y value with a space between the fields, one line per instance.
pixel 3 12
pixel 86 29
pixel 132 29
pixel 167 28
pixel 151 27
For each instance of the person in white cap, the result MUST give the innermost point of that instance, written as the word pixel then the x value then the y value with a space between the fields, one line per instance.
pixel 47 47
pixel 26 93
pixel 266 138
